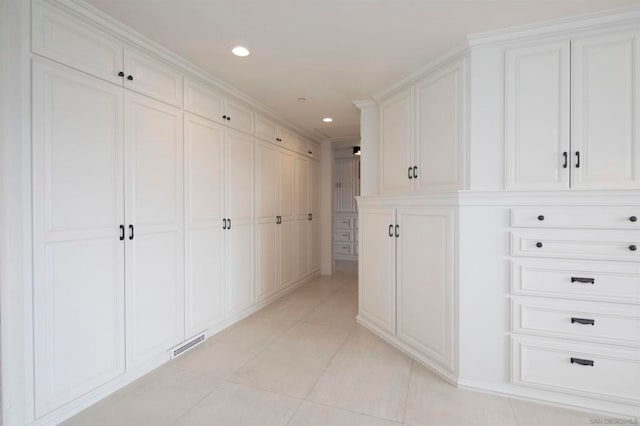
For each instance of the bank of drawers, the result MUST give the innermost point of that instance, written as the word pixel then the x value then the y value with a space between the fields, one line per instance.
pixel 575 305
pixel 345 236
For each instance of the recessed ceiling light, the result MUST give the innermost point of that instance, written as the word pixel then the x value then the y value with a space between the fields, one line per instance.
pixel 240 51
pixel 327 119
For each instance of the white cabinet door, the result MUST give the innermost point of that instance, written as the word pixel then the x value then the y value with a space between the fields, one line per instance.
pixel 266 212
pixel 302 210
pixel 204 207
pixel 347 185
pixel 239 116
pixel 425 282
pixel 286 138
pixel 537 116
pixel 605 109
pixel 73 42
pixel 240 216
pixel 314 218
pixel 152 77
pixel 78 255
pixel 201 99
pixel 377 268
pixel 154 215
pixel 396 154
pixel 286 207
pixel 440 130
pixel 265 129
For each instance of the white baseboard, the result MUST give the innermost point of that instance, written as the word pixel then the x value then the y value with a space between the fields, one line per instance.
pixel 65 412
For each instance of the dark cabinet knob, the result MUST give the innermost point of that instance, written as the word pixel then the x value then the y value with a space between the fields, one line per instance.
pixel 633 219
pixel 228 118
pixel 540 218
pixel 538 244
pixel 120 74
pixel 224 117
pixel 130 77
pixel 633 247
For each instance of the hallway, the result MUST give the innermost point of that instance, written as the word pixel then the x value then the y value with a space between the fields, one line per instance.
pixel 305 361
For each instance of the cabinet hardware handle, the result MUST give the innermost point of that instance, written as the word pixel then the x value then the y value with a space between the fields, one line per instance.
pixel 391 230
pixel 224 117
pixel 415 172
pixel 120 74
pixel 309 216
pixel 345 235
pixel 409 172
pixel 584 321
pixel 310 152
pixel 224 223
pixel 279 140
pixel 228 118
pixel 577 159
pixel 130 77
pixel 566 159
pixel 131 234
pixel 633 219
pixel 583 280
pixel 345 247
pixel 582 361
pixel 229 227
pixel 121 232
pixel 538 244
pixel 633 247
pixel 541 218
pixel 397 231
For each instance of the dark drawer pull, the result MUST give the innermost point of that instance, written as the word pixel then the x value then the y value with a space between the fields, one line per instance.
pixel 582 361
pixel 391 230
pixel 633 219
pixel 539 244
pixel 584 321
pixel 633 247
pixel 540 218
pixel 583 280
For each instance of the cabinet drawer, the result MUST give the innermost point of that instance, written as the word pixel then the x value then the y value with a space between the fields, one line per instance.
pixel 577 217
pixel 344 223
pixel 615 282
pixel 577 244
pixel 343 236
pixel 343 249
pixel 578 320
pixel 556 365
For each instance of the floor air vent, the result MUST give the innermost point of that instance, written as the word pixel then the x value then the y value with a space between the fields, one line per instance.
pixel 187 346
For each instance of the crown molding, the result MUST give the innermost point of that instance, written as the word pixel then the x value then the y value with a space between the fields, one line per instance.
pixel 441 61
pixel 620 17
pixel 128 35
pixel 365 103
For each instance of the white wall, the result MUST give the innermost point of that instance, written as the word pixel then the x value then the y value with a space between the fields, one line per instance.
pixel 15 279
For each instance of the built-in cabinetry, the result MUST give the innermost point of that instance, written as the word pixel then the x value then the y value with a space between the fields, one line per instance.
pixel 572 113
pixel 160 216
pixel 346 186
pixel 407 277
pixel 422 133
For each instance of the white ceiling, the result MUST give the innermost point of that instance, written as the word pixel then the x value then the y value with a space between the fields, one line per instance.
pixel 329 51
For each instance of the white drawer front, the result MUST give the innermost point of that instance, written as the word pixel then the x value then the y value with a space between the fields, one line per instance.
pixel 627 217
pixel 343 236
pixel 342 249
pixel 615 282
pixel 577 244
pixel 547 364
pixel 578 320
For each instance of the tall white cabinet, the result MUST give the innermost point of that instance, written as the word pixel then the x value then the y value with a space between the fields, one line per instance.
pixel 161 213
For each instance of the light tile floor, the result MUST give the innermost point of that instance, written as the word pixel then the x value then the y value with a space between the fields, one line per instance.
pixel 304 361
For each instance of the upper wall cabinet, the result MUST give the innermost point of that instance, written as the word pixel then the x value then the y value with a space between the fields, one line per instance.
pixel 422 132
pixel 270 131
pixel 605 107
pixel 207 102
pixel 71 41
pixel 151 77
pixel 571 114
pixel 537 116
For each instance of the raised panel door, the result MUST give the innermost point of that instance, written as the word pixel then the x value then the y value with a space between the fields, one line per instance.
pixel 605 112
pixel 425 282
pixel 266 211
pixel 78 255
pixel 240 266
pixel 265 129
pixel 314 218
pixel 203 100
pixel 286 207
pixel 377 268
pixel 347 185
pixel 240 117
pixel 154 213
pixel 439 130
pixel 152 77
pixel 286 137
pixel 204 206
pixel 537 116
pixel 396 154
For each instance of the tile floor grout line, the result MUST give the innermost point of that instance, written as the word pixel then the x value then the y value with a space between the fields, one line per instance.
pixel 352 411
pixel 513 410
pixel 406 397
pixel 218 386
